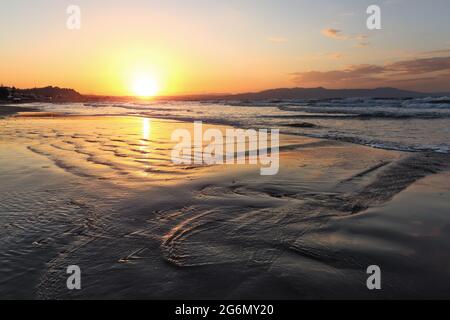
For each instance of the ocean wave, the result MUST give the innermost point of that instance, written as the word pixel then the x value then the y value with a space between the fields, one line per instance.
pixel 380 144
pixel 413 124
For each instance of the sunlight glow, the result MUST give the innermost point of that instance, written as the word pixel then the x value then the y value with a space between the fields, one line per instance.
pixel 144 86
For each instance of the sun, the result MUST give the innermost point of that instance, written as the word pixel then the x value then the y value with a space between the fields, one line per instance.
pixel 145 86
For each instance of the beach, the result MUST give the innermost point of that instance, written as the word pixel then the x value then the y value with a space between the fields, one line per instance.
pixel 100 192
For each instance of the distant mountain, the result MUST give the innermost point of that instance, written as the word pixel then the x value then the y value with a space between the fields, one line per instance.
pixel 323 93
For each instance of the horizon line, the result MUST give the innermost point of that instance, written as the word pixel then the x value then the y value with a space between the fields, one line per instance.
pixel 215 93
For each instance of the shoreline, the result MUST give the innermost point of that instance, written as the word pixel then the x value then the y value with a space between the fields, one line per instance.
pixel 9 110
pixel 373 143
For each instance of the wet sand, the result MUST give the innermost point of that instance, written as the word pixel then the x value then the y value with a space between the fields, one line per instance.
pixel 7 110
pixel 102 193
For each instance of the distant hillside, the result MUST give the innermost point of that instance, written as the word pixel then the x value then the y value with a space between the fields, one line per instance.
pixel 46 94
pixel 52 93
pixel 323 93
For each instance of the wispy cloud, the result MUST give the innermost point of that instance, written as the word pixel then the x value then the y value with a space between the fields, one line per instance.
pixel 320 56
pixel 419 66
pixel 412 72
pixel 351 73
pixel 336 34
pixel 335 55
pixel 435 52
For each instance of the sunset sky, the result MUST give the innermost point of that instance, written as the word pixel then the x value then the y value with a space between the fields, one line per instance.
pixel 228 46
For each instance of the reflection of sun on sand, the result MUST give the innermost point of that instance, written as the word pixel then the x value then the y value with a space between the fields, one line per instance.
pixel 119 204
pixel 120 149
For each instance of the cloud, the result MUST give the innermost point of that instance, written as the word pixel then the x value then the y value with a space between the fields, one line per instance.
pixel 349 74
pixel 334 34
pixel 413 73
pixel 340 35
pixel 320 56
pixel 435 52
pixel 277 39
pixel 334 55
pixel 418 66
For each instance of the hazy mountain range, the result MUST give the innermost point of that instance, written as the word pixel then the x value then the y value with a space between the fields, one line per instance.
pixel 56 94
pixel 323 93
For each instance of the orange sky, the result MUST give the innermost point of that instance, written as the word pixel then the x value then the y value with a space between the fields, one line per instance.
pixel 209 47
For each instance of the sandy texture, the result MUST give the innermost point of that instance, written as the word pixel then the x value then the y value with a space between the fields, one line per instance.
pixel 102 193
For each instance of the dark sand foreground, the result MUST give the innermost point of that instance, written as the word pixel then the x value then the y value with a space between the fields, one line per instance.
pixel 101 193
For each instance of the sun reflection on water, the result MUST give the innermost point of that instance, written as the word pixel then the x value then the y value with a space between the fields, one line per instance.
pixel 146 126
pixel 144 148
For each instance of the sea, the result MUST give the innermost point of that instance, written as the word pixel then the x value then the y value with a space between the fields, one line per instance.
pixel 406 124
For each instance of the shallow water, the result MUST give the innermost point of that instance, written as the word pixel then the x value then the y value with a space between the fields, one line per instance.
pixel 120 150
pixel 421 124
